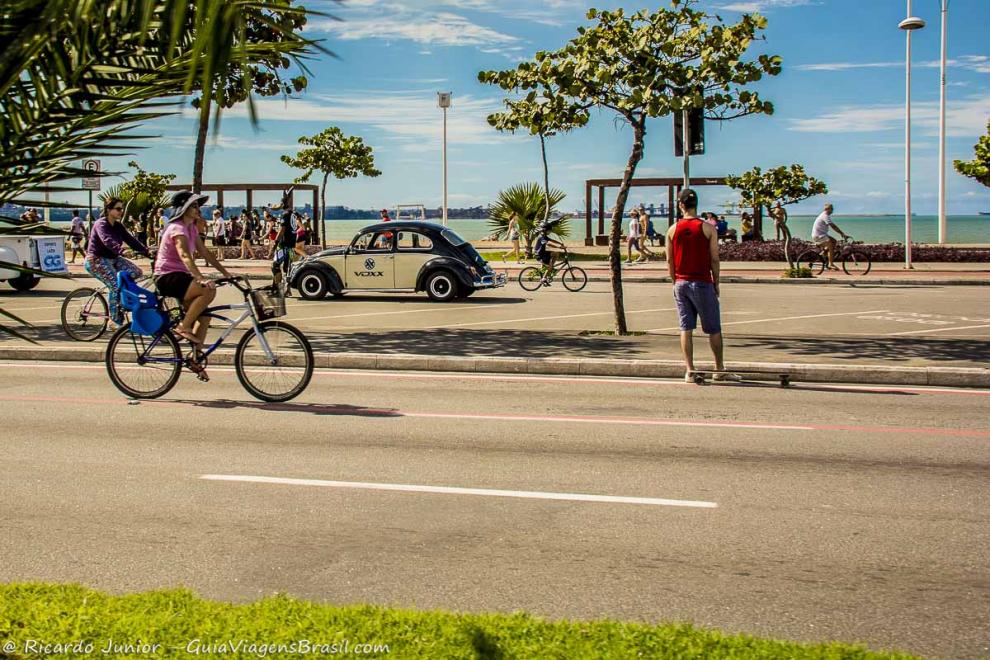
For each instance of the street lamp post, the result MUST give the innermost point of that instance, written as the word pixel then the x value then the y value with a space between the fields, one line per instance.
pixel 443 99
pixel 942 228
pixel 909 24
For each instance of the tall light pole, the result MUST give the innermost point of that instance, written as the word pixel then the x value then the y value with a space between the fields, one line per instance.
pixel 443 99
pixel 942 228
pixel 909 24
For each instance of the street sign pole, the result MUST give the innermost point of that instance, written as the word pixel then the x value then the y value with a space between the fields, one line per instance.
pixel 686 141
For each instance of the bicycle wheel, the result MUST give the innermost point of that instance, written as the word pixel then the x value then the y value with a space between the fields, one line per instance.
pixel 856 262
pixel 85 314
pixel 574 278
pixel 812 259
pixel 280 379
pixel 531 278
pixel 143 367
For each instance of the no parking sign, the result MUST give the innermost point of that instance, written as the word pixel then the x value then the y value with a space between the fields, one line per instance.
pixel 91 182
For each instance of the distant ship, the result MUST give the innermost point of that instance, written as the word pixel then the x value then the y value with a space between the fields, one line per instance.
pixel 984 212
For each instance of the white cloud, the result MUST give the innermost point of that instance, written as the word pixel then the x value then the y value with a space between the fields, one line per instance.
pixel 964 118
pixel 227 142
pixel 439 29
pixel 762 5
pixel 409 116
pixel 976 63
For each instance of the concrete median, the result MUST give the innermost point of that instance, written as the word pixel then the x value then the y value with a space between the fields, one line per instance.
pixel 800 372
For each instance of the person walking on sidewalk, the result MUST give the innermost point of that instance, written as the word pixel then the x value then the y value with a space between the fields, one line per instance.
pixel 76 233
pixel 513 230
pixel 632 242
pixel 692 261
pixel 247 235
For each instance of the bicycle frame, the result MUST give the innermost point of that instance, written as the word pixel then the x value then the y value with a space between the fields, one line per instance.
pixel 211 312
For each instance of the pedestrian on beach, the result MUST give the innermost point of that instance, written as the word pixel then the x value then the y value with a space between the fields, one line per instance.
pixel 142 228
pixel 219 233
pixel 779 215
pixel 302 235
pixel 633 238
pixel 247 233
pixel 644 227
pixel 692 261
pixel 748 231
pixel 513 231
pixel 76 234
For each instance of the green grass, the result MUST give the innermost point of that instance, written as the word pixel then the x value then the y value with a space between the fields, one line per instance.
pixel 800 273
pixel 66 614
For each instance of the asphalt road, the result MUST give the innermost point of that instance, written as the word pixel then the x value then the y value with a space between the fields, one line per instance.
pixel 815 513
pixel 885 325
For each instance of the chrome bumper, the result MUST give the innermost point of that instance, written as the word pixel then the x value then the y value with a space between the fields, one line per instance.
pixel 491 281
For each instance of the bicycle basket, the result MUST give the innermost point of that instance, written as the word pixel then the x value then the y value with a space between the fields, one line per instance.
pixel 268 303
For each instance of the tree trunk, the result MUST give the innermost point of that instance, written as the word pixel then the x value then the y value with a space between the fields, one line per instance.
pixel 615 235
pixel 546 178
pixel 204 125
pixel 323 209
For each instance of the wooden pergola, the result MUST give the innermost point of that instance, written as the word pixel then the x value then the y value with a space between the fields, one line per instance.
pixel 674 186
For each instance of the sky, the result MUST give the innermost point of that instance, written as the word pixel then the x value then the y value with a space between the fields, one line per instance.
pixel 839 106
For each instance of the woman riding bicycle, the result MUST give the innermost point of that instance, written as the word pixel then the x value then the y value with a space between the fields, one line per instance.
pixel 176 274
pixel 105 253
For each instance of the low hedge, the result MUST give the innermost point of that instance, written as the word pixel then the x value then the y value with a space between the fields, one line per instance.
pixel 885 252
pixel 75 621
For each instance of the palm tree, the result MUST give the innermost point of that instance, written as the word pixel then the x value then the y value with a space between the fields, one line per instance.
pixel 76 77
pixel 529 203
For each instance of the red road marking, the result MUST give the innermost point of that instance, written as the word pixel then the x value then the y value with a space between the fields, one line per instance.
pixel 566 419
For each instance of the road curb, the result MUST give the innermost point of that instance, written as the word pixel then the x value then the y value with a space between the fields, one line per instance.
pixel 800 372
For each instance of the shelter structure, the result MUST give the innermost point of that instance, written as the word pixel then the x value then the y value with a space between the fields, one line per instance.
pixel 250 188
pixel 673 184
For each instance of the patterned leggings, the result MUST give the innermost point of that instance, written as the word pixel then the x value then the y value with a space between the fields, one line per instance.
pixel 105 270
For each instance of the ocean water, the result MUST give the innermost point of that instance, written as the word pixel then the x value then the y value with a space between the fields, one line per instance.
pixel 962 229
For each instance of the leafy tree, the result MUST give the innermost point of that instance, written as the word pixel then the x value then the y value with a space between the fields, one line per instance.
pixel 979 167
pixel 529 203
pixel 272 26
pixel 142 194
pixel 647 65
pixel 334 154
pixel 787 185
pixel 545 116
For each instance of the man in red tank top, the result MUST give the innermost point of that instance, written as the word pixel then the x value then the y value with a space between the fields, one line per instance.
pixel 692 260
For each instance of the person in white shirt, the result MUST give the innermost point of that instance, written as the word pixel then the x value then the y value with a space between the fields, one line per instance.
pixel 635 233
pixel 819 234
pixel 76 234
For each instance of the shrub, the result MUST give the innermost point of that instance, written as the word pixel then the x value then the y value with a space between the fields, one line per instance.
pixel 887 252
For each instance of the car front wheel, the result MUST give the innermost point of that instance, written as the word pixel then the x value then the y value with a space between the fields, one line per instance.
pixel 441 286
pixel 312 285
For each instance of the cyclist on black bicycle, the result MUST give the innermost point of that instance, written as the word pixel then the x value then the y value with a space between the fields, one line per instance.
pixel 176 273
pixel 545 249
pixel 820 237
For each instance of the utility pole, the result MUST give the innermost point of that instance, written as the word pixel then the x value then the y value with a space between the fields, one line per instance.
pixel 686 141
pixel 942 228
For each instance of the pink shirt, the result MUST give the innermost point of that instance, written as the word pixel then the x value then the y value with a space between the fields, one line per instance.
pixel 168 260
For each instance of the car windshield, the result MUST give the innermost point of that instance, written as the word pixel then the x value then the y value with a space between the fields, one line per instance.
pixel 452 237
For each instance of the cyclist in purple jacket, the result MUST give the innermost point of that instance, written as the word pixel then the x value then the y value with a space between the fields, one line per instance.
pixel 105 253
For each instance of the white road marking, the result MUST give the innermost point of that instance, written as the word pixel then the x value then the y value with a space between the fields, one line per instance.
pixel 783 318
pixel 544 318
pixel 447 490
pixel 918 332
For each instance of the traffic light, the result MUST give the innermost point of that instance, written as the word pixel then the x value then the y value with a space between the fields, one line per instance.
pixel 696 128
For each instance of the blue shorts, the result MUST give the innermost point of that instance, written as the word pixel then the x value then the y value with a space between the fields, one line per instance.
pixel 697 299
